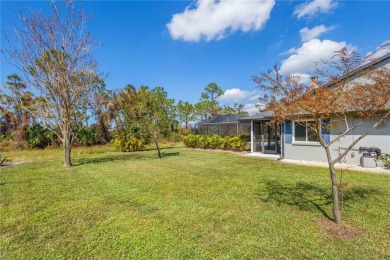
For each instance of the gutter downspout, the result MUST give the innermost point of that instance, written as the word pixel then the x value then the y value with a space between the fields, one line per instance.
pixel 252 144
pixel 282 133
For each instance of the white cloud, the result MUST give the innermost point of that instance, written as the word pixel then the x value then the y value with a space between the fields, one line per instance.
pixel 309 34
pixel 214 19
pixel 290 51
pixel 251 109
pixel 312 8
pixel 383 49
pixel 236 95
pixel 304 59
pixel 303 77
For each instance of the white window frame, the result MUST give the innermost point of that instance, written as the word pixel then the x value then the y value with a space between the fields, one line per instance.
pixel 306 141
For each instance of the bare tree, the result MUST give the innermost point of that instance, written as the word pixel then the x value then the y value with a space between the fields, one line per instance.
pixel 53 51
pixel 349 86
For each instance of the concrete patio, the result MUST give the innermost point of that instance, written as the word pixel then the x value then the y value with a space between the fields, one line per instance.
pixel 344 166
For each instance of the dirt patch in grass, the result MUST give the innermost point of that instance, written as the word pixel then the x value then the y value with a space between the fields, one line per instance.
pixel 14 163
pixel 345 230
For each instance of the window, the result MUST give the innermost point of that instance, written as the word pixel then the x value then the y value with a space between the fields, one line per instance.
pixel 303 131
pixel 300 132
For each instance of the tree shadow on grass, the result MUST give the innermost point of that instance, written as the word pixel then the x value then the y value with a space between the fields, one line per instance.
pixel 306 196
pixel 109 158
pixel 170 154
pixel 164 148
pixel 125 156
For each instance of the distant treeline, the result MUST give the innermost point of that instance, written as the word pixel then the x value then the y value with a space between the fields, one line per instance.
pixel 128 117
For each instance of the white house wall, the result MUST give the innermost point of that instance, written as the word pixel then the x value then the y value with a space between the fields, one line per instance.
pixel 304 152
pixel 379 138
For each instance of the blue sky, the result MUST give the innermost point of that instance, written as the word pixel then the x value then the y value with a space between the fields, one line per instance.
pixel 184 45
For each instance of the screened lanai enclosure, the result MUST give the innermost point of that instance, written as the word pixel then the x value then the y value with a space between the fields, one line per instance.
pixel 224 125
pixel 265 137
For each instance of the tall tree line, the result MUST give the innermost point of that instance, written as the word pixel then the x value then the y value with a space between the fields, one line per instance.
pixel 59 91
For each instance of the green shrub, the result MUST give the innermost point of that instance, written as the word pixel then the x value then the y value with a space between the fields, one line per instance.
pixel 226 143
pixel 184 139
pixel 215 142
pixel 173 136
pixel 4 159
pixel 237 143
pixel 88 136
pixel 191 141
pixel 39 137
pixel 185 131
pixel 128 144
pixel 204 142
pixel 245 137
pixel 385 158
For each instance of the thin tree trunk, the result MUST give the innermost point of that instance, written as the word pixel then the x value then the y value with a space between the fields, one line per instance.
pixel 103 129
pixel 67 150
pixel 158 148
pixel 335 191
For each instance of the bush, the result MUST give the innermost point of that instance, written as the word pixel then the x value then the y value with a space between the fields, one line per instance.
pixel 185 131
pixel 5 145
pixel 237 143
pixel 88 136
pixel 10 144
pixel 190 141
pixel 204 142
pixel 39 137
pixel 128 144
pixel 246 137
pixel 385 158
pixel 226 143
pixel 173 136
pixel 215 142
pixel 3 159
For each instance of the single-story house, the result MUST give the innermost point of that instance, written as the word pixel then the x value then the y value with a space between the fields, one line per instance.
pixel 292 141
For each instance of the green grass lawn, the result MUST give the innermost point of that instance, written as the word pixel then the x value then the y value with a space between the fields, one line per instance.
pixel 189 204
